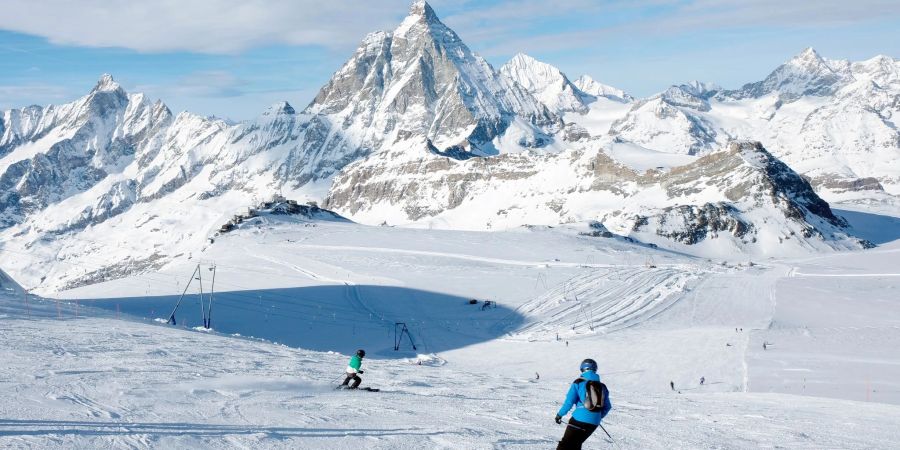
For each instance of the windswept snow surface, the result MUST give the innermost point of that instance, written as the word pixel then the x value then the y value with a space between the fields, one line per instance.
pixel 293 299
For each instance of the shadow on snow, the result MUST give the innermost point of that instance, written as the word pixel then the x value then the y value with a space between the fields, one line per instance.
pixel 338 318
pixel 875 228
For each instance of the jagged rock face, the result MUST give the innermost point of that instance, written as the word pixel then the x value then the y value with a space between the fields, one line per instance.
pixel 805 74
pixel 756 198
pixel 422 80
pixel 691 224
pixel 750 178
pixel 74 147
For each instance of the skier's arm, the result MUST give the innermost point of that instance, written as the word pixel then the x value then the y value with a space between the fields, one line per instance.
pixel 571 398
pixel 607 406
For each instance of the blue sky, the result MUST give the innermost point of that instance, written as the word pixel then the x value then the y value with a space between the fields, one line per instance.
pixel 232 58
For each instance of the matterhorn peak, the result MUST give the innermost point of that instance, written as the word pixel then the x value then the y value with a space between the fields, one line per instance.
pixel 106 83
pixel 421 8
pixel 422 17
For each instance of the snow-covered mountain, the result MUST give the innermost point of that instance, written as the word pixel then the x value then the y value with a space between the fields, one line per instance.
pixel 417 129
pixel 546 83
pixel 422 80
pixel 832 121
pixel 590 86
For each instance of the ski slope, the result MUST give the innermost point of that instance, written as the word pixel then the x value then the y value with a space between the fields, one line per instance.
pixel 294 298
pixel 603 301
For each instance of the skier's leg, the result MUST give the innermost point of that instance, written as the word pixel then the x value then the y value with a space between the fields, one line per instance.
pixel 347 379
pixel 576 433
pixel 356 381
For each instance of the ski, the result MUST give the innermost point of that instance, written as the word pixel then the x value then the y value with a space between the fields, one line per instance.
pixel 345 388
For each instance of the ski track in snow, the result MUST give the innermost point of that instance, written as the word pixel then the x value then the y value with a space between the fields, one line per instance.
pixel 127 384
pixel 306 272
pixel 842 275
pixel 511 262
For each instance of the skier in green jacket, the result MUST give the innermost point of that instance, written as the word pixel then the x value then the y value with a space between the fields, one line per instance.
pixel 354 368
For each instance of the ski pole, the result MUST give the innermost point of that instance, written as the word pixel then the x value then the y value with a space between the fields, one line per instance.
pixel 604 430
pixel 610 437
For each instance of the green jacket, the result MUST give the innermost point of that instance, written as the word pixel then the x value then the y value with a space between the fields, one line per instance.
pixel 355 364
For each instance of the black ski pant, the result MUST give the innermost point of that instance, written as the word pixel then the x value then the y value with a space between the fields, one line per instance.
pixel 576 433
pixel 356 380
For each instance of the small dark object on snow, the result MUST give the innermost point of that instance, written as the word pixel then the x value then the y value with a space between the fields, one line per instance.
pixel 473 302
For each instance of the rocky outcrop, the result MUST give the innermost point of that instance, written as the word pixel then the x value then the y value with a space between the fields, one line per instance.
pixel 740 194
pixel 690 224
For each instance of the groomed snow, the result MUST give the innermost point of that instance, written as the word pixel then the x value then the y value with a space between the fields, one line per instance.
pixel 827 379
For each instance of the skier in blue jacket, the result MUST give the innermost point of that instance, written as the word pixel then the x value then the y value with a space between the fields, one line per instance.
pixel 583 421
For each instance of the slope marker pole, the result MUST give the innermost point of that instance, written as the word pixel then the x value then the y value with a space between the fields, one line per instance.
pixel 208 322
pixel 200 279
pixel 171 320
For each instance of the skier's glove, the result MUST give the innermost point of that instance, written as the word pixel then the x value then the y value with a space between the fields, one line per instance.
pixel 362 371
pixel 558 419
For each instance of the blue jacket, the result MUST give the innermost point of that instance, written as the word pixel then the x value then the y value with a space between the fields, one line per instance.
pixel 575 396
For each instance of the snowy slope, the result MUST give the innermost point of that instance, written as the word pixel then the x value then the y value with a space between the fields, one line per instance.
pixel 96 381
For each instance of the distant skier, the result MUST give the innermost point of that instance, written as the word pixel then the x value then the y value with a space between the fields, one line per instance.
pixel 702 380
pixel 354 368
pixel 765 345
pixel 591 400
pixel 672 385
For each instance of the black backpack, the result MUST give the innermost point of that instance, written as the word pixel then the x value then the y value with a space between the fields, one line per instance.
pixel 594 393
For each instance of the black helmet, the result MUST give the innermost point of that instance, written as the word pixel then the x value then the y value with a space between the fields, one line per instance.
pixel 588 364
pixel 362 354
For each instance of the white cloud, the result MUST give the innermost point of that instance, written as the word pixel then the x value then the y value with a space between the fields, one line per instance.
pixel 208 26
pixel 517 25
pixel 230 26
